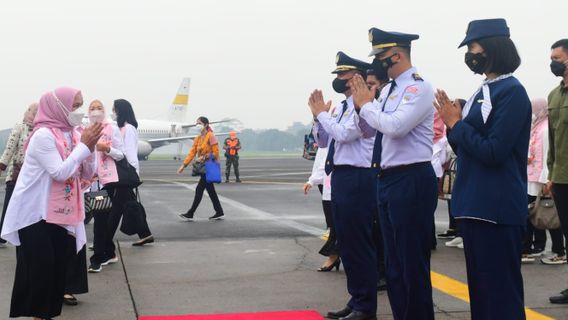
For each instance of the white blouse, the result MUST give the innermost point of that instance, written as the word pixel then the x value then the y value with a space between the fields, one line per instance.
pixel 131 146
pixel 318 174
pixel 42 165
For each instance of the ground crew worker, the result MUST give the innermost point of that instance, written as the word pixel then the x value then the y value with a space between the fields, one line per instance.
pixel 407 187
pixel 349 161
pixel 232 146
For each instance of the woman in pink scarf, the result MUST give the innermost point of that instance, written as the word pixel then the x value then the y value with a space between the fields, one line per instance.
pixel 537 171
pixel 46 210
pixel 13 157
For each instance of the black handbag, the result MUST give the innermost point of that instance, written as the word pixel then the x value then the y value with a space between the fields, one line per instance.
pixel 96 202
pixel 446 183
pixel 197 168
pixel 133 217
pixel 127 175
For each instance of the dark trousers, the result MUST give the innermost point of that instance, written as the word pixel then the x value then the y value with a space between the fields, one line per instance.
pixel 453 225
pixel 534 238
pixel 330 246
pixel 232 161
pixel 560 194
pixel 493 260
pixel 201 187
pixel 407 202
pixel 558 241
pixel 353 202
pixel 7 196
pixel 76 278
pixel 106 224
pixel 41 267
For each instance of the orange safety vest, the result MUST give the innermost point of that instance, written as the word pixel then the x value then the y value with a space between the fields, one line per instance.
pixel 232 144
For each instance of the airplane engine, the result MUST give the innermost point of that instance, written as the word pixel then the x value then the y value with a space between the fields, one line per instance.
pixel 144 150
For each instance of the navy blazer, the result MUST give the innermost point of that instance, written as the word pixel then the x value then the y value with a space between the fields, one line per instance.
pixel 491 178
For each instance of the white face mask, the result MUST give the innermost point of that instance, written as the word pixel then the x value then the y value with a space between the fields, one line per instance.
pixel 113 117
pixel 74 118
pixel 200 127
pixel 96 116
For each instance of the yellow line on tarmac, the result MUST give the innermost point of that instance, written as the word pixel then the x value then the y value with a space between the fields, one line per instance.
pixel 459 290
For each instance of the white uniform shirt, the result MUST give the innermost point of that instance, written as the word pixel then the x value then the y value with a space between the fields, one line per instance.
pixel 42 165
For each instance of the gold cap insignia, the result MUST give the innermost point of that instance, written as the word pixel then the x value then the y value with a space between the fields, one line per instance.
pixel 370 36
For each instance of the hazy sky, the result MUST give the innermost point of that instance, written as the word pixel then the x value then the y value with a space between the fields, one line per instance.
pixel 252 60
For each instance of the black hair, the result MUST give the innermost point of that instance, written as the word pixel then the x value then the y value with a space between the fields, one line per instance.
pixel 502 55
pixel 372 72
pixel 561 43
pixel 204 120
pixel 124 113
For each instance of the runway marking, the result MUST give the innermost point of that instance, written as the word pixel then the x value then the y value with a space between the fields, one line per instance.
pixel 459 290
pixel 257 213
pixel 279 174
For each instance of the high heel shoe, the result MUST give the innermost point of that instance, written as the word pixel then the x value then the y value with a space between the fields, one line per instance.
pixel 330 267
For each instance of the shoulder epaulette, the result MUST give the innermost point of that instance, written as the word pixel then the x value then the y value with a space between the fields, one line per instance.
pixel 417 77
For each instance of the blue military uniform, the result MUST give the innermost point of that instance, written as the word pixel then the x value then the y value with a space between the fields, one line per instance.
pixel 489 199
pixel 349 161
pixel 407 186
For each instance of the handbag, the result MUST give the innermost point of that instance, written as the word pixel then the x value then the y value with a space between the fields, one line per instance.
pixel 133 217
pixel 96 202
pixel 543 214
pixel 446 183
pixel 197 168
pixel 212 170
pixel 127 175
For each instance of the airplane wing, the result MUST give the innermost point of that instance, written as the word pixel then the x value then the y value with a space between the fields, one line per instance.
pixel 156 143
pixel 185 126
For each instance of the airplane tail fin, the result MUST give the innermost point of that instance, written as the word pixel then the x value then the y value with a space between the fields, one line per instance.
pixel 178 109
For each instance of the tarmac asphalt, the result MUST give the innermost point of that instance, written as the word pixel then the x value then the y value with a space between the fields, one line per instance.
pixel 262 257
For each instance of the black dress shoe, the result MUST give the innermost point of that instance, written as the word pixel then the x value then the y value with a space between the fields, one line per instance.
pixel 141 242
pixel 339 314
pixel 561 298
pixel 357 315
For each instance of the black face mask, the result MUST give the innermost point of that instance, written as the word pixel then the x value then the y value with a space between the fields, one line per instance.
pixel 381 67
pixel 557 68
pixel 339 85
pixel 476 62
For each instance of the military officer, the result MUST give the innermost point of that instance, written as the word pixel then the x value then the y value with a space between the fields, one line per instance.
pixel 407 187
pixel 349 160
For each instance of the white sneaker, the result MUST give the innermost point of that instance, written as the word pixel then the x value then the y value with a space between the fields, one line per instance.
pixel 554 260
pixel 527 259
pixel 110 261
pixel 455 242
pixel 460 246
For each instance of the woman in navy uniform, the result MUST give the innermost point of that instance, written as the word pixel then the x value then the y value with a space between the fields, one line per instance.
pixel 490 136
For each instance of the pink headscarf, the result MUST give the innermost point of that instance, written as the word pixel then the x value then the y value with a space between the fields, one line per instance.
pixel 540 110
pixel 49 114
pixel 30 114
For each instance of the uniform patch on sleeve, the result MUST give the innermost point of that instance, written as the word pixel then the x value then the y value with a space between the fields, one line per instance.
pixel 411 89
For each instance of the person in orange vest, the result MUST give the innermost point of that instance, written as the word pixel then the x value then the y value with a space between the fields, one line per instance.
pixel 232 146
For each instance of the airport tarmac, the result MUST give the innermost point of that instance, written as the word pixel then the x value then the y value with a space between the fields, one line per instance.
pixel 262 257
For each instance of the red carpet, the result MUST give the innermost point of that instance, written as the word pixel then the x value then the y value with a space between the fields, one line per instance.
pixel 283 315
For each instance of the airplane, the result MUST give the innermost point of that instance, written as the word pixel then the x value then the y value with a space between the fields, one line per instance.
pixel 153 134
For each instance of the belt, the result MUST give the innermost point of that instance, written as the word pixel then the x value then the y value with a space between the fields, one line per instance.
pixel 402 168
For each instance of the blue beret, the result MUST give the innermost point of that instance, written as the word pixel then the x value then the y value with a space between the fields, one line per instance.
pixel 345 63
pixel 382 40
pixel 481 29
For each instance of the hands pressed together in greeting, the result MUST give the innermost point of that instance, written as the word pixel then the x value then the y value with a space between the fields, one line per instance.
pixel 450 111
